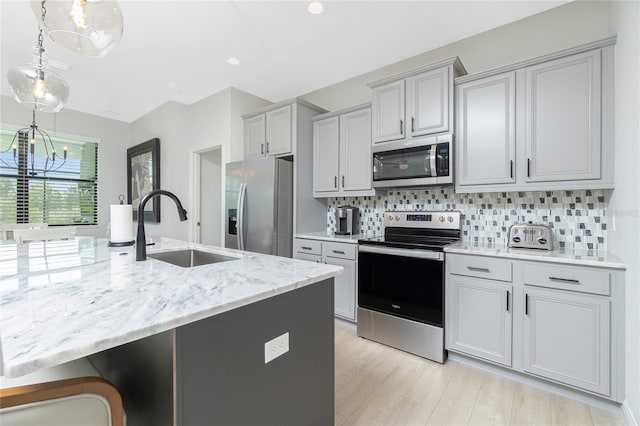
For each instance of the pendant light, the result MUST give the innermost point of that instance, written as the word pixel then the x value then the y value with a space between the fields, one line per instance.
pixel 33 151
pixel 89 27
pixel 36 85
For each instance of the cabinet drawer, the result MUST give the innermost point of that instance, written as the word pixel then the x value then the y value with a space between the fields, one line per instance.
pixel 340 250
pixel 573 278
pixel 307 246
pixel 481 267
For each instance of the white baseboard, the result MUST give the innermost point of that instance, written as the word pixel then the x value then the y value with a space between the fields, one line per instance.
pixel 345 323
pixel 628 414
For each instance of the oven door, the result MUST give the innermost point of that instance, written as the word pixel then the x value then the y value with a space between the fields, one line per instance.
pixel 402 282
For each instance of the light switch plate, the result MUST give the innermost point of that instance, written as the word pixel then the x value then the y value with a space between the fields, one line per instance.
pixel 276 347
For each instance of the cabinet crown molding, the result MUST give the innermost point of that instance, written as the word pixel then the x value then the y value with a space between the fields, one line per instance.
pixel 298 101
pixel 455 61
pixel 340 112
pixel 540 59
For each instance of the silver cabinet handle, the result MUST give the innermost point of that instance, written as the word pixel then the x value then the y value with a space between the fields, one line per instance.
pixel 337 251
pixel 412 124
pixel 528 167
pixel 335 181
pixel 262 148
pixel 343 181
pixel 507 300
pixel 306 248
pixel 511 169
pixel 473 268
pixel 267 147
pixel 401 127
pixel 564 280
pixel 526 304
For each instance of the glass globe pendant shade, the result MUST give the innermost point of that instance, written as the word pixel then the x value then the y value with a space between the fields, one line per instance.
pixel 38 87
pixel 89 27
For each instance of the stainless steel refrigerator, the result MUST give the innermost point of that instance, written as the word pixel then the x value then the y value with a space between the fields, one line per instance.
pixel 259 206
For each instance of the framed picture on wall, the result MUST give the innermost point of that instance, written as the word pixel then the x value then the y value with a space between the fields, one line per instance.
pixel 143 176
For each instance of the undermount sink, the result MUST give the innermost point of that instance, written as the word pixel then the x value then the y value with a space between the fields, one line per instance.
pixel 190 257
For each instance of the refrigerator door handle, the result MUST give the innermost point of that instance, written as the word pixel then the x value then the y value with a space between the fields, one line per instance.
pixel 240 225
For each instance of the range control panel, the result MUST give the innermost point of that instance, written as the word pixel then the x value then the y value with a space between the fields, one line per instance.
pixel 438 220
pixel 530 236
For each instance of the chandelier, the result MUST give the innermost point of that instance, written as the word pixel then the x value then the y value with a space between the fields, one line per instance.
pixel 30 156
pixel 36 85
pixel 88 27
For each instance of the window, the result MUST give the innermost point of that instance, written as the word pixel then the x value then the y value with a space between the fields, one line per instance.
pixel 66 195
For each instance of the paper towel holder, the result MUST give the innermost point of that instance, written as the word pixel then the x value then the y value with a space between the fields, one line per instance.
pixel 122 243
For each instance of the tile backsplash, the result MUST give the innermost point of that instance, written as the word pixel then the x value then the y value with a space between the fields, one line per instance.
pixel 578 218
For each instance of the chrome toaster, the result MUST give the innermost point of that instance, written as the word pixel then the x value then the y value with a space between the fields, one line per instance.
pixel 530 236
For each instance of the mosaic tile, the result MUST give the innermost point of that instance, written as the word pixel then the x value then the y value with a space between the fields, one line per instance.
pixel 578 218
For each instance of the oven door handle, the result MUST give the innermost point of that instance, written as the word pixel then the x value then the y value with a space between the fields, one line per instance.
pixel 393 251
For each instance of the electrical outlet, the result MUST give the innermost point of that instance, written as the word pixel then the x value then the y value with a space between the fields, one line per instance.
pixel 276 347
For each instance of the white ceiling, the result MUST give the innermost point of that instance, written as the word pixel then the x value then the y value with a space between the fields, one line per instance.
pixel 284 50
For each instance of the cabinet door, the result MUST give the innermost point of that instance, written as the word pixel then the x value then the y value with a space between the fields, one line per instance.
pixel 279 131
pixel 428 102
pixel 563 119
pixel 326 154
pixel 254 136
pixel 355 150
pixel 345 288
pixel 566 338
pixel 486 135
pixel 480 320
pixel 387 110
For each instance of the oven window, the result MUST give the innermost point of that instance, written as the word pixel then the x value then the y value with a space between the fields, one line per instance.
pixel 402 286
pixel 407 163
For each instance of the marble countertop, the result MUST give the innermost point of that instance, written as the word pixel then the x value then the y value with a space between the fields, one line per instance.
pixel 579 258
pixel 328 236
pixel 63 300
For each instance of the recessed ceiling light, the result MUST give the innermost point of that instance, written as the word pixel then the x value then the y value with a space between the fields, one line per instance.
pixel 233 60
pixel 315 7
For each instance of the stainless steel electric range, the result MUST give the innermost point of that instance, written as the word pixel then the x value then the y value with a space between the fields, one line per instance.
pixel 401 281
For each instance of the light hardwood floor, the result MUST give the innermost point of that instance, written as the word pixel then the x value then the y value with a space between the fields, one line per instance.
pixel 378 385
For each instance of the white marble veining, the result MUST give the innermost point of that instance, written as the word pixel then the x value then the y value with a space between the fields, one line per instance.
pixel 566 256
pixel 63 300
pixel 330 236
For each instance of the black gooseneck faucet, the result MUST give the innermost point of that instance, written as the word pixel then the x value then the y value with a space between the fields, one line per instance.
pixel 141 239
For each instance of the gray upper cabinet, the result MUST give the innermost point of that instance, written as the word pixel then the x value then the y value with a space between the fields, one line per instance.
pixel 416 103
pixel 342 153
pixel 279 131
pixel 255 136
pixel 388 112
pixel 326 155
pixel 486 114
pixel 270 133
pixel 428 102
pixel 542 124
pixel 563 119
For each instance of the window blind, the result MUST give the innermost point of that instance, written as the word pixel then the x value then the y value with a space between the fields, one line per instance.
pixel 65 195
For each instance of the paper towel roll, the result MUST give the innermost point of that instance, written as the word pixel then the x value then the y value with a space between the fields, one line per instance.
pixel 121 223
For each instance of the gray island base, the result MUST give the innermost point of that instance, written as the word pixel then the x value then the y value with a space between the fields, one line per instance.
pixel 213 371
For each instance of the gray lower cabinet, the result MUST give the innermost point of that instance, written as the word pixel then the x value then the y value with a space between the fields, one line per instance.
pixel 567 338
pixel 481 319
pixel 340 254
pixel 559 322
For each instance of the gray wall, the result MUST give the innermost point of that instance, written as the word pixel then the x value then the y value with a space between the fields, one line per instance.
pixel 185 132
pixel 114 138
pixel 564 27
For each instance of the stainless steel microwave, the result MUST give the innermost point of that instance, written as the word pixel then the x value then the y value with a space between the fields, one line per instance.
pixel 417 162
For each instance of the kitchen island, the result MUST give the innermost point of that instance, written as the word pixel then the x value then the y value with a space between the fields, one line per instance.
pixel 194 338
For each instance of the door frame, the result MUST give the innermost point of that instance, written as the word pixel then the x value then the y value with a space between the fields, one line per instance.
pixel 195 157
